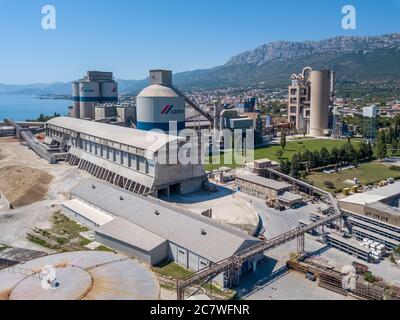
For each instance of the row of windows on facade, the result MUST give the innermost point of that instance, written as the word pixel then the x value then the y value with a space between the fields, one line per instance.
pixel 126 159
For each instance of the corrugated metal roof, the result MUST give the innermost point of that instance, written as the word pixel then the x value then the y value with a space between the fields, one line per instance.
pixel 146 140
pixel 174 224
pixel 268 183
pixel 131 233
pixel 88 212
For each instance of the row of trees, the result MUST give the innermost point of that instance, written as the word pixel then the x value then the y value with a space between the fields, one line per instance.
pixel 309 160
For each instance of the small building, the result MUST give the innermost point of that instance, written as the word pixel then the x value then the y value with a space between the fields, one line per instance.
pixel 290 199
pixel 261 187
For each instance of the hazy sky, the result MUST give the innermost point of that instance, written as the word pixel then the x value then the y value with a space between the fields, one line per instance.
pixel 129 37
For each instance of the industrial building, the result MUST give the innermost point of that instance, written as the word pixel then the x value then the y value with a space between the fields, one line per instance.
pixel 153 231
pixel 265 189
pixel 375 214
pixel 310 96
pixel 96 87
pixel 126 157
pixel 116 113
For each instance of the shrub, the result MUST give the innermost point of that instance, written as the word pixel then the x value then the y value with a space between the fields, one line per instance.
pixel 329 184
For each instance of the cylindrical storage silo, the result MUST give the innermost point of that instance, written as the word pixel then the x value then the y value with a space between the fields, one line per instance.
pixel 89 97
pixel 159 105
pixel 109 91
pixel 75 97
pixel 320 100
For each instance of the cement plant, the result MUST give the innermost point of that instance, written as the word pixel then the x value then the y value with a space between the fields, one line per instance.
pixel 178 192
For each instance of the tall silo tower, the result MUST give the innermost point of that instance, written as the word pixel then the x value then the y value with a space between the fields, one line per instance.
pixel 160 105
pixel 75 97
pixel 109 91
pixel 320 101
pixel 89 96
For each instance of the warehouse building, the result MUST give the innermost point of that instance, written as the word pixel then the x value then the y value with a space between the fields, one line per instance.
pixel 264 188
pixel 154 231
pixel 128 158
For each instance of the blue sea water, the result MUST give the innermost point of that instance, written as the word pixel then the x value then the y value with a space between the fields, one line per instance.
pixel 23 107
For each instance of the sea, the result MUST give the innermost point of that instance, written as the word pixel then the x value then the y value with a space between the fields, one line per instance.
pixel 23 107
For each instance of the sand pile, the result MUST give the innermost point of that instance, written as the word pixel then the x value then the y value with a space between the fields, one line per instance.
pixel 23 185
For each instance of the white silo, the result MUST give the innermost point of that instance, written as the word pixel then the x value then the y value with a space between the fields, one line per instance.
pixel 160 104
pixel 109 91
pixel 75 97
pixel 89 96
pixel 320 101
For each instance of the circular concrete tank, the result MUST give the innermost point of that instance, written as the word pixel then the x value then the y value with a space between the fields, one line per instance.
pixel 157 106
pixel 320 100
pixel 89 275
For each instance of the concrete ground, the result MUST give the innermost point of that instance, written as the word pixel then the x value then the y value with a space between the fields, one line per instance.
pixel 392 161
pixel 234 210
pixel 14 224
pixel 272 280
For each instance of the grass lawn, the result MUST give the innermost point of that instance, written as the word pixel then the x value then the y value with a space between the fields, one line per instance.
pixel 367 173
pixel 292 147
pixel 171 269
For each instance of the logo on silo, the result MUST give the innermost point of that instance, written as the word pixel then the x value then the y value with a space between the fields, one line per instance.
pixel 167 109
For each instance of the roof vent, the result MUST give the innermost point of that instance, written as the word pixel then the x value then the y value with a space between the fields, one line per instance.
pixel 121 198
pixel 203 231
pixel 156 212
pixel 93 186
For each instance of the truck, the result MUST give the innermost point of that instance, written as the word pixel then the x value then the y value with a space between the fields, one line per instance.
pixel 311 276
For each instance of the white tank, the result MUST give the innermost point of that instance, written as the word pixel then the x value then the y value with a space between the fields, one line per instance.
pixel 75 97
pixel 320 101
pixel 157 105
pixel 109 91
pixel 89 93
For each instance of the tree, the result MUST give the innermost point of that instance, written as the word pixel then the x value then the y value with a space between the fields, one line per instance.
pixel 325 157
pixel 334 155
pixel 381 147
pixel 295 167
pixel 283 140
pixel 394 146
pixel 285 166
pixel 370 151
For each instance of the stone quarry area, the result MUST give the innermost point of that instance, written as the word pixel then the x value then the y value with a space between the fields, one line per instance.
pixel 22 186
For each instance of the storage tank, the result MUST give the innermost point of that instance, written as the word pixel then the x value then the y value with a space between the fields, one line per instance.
pixel 320 101
pixel 75 97
pixel 158 105
pixel 109 91
pixel 89 97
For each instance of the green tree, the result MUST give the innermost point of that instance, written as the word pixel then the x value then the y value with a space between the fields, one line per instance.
pixel 285 166
pixel 325 156
pixel 381 147
pixel 295 167
pixel 283 140
pixel 394 146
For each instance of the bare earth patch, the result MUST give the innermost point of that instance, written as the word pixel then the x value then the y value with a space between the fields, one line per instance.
pixel 23 185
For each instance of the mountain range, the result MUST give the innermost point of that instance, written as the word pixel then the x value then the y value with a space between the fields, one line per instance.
pixel 355 59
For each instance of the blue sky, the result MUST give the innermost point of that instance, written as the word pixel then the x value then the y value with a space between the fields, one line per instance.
pixel 129 37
